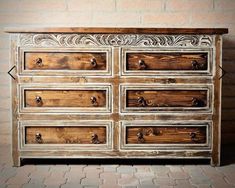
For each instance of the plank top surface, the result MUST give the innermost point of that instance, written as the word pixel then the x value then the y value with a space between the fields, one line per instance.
pixel 112 30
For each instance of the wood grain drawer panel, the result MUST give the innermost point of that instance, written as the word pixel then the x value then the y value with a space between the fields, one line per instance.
pixel 146 98
pixel 166 98
pixel 51 98
pixel 64 134
pixel 65 61
pixel 166 61
pixel 168 134
pixel 65 98
pixel 94 61
pixel 165 135
pixel 146 62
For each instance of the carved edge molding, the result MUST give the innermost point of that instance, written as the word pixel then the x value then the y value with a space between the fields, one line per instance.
pixel 144 40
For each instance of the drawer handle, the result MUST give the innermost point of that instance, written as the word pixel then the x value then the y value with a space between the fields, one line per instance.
pixel 170 81
pixel 93 62
pixel 38 138
pixel 193 136
pixel 197 102
pixel 140 137
pixel 93 100
pixel 141 101
pixel 142 64
pixel 197 66
pixel 38 61
pixel 38 100
pixel 95 139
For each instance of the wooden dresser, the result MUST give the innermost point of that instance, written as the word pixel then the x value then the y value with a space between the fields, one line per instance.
pixel 116 93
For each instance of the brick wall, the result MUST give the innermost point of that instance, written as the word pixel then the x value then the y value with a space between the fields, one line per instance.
pixel 121 13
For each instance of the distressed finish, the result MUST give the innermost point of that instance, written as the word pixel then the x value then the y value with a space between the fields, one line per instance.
pixel 165 135
pixel 65 98
pixel 65 61
pixel 65 135
pixel 166 61
pixel 166 98
pixel 116 93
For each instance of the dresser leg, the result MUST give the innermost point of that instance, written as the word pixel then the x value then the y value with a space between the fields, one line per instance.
pixel 17 162
pixel 215 162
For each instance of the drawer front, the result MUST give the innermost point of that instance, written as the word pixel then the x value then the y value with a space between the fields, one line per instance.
pixel 54 62
pixel 159 98
pixel 67 134
pixel 65 61
pixel 67 99
pixel 151 62
pixel 148 135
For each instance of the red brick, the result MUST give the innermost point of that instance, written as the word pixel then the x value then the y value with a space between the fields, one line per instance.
pixel 139 5
pixel 170 19
pixel 189 5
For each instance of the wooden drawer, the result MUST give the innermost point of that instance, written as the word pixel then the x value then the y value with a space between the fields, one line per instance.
pixel 161 98
pixel 71 134
pixel 54 62
pixel 147 135
pixel 70 98
pixel 151 62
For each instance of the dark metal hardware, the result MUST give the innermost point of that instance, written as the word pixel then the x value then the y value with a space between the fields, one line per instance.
pixel 95 139
pixel 93 62
pixel 140 137
pixel 142 64
pixel 142 101
pixel 38 138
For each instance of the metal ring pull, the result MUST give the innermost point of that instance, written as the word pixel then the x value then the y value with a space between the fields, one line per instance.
pixel 38 100
pixel 197 102
pixel 93 62
pixel 140 137
pixel 95 139
pixel 38 138
pixel 193 136
pixel 38 61
pixel 142 101
pixel 142 64
pixel 93 100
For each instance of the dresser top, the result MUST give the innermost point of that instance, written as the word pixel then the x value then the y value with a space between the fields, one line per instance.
pixel 102 30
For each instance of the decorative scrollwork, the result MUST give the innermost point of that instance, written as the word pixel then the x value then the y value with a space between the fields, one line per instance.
pixel 144 40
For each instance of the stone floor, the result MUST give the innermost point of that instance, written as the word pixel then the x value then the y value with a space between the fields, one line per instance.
pixel 116 175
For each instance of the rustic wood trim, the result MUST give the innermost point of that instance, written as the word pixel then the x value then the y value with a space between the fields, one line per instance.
pixel 159 154
pixel 216 147
pixel 118 30
pixel 14 100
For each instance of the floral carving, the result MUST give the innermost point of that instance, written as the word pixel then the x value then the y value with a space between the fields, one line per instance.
pixel 146 40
